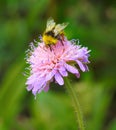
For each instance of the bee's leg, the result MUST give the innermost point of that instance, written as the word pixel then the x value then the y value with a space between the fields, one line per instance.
pixel 50 47
pixel 62 42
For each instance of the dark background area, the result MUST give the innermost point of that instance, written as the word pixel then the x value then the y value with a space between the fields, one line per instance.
pixel 93 22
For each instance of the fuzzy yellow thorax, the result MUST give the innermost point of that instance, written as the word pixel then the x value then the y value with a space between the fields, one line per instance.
pixel 48 40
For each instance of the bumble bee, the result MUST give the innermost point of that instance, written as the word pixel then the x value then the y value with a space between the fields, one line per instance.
pixel 53 32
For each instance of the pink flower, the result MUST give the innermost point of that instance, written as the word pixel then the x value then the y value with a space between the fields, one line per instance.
pixel 48 64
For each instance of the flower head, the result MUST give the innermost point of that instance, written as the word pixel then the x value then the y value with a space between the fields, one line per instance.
pixel 52 63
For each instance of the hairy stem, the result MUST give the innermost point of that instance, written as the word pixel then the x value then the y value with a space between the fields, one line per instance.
pixel 76 104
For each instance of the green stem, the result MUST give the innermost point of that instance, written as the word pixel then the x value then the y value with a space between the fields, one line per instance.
pixel 76 103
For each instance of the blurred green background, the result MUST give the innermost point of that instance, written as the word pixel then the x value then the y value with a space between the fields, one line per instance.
pixel 93 22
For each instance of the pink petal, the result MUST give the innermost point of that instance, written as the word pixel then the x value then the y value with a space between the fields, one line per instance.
pixel 59 79
pixel 29 87
pixel 86 68
pixel 38 86
pixel 71 69
pixel 46 88
pixel 31 79
pixel 78 75
pixel 63 71
pixel 50 75
pixel 82 67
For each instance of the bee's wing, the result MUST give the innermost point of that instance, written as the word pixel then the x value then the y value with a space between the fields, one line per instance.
pixel 59 28
pixel 50 24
